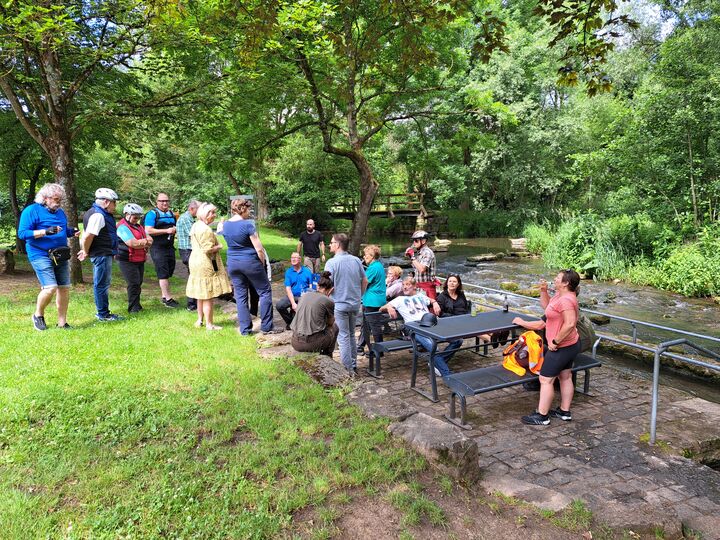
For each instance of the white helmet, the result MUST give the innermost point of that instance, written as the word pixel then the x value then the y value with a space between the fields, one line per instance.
pixel 106 193
pixel 132 208
pixel 419 235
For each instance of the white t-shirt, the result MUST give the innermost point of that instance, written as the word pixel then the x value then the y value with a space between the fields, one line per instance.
pixel 411 308
pixel 95 223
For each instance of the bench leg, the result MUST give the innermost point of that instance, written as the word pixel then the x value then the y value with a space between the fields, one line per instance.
pixel 586 386
pixel 452 414
pixel 374 364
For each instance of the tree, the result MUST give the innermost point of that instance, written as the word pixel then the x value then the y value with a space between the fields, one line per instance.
pixel 64 65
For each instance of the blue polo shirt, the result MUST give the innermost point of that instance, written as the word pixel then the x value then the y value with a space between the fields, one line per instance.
pixel 36 216
pixel 298 281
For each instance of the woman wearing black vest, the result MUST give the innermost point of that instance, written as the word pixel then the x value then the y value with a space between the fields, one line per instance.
pixel 132 252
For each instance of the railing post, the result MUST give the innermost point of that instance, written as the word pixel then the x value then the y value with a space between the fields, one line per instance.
pixel 655 390
pixel 634 332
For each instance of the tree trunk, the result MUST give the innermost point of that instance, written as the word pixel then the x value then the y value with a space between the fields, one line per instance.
pixel 692 182
pixel 59 149
pixel 368 189
pixel 467 160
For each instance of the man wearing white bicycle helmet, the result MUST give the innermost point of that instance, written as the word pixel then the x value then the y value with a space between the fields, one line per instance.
pixel 423 262
pixel 132 252
pixel 100 243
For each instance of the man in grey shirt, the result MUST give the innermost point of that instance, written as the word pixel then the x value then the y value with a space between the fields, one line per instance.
pixel 350 282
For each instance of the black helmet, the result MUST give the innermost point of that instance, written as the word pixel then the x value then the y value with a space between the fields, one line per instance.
pixel 429 319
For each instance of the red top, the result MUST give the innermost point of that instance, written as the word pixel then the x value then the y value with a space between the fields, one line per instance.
pixel 554 315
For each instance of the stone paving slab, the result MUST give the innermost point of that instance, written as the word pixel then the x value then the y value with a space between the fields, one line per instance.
pixel 600 456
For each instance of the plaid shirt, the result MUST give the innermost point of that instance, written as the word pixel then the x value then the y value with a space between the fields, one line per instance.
pixel 426 257
pixel 184 224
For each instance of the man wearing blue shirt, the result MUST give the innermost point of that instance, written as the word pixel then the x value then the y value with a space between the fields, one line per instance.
pixel 160 224
pixel 298 279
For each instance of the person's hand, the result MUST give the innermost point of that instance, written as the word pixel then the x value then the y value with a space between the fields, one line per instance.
pixel 77 233
pixel 518 321
pixel 294 306
pixel 220 225
pixel 392 312
pixel 436 308
pixel 81 255
pixel 52 230
pixel 543 286
pixel 410 252
pixel 552 346
pixel 322 257
pixel 149 241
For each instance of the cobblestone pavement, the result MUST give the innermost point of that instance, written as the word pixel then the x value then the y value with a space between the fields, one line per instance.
pixel 599 457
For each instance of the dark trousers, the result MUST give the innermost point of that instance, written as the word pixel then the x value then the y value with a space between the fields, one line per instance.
pixel 285 309
pixel 133 273
pixel 244 274
pixel 376 328
pixel 322 342
pixel 185 258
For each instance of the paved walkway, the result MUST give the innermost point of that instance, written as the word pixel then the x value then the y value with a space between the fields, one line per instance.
pixel 599 457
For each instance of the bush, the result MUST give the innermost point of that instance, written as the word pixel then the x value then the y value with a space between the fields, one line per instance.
pixel 483 224
pixel 574 245
pixel 538 238
pixel 690 271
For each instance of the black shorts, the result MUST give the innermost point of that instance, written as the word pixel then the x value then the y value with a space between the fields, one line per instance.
pixel 557 361
pixel 164 261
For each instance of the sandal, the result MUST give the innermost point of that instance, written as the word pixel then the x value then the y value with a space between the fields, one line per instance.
pixel 213 327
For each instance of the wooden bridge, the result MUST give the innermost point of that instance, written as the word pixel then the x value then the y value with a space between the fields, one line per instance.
pixel 386 205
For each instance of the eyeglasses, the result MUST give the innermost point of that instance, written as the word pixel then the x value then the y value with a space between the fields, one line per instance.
pixel 163 200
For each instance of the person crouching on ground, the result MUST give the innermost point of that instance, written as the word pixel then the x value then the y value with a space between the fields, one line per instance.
pixel 563 346
pixel 207 279
pixel 43 225
pixel 298 279
pixel 313 326
pixel 132 253
pixel 412 306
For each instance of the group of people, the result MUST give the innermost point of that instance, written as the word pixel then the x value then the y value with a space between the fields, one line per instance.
pixel 320 309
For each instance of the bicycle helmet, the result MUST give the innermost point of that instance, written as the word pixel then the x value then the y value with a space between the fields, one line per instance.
pixel 106 193
pixel 420 235
pixel 429 319
pixel 132 208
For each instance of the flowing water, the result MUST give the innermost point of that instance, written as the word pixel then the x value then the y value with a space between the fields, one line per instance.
pixel 698 315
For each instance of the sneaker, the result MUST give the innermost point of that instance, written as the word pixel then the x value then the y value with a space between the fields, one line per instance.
pixel 437 371
pixel 170 303
pixel 562 415
pixel 39 323
pixel 192 308
pixel 536 419
pixel 65 326
pixel 273 331
pixel 110 317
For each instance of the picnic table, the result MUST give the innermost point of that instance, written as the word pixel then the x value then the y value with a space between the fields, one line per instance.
pixel 458 327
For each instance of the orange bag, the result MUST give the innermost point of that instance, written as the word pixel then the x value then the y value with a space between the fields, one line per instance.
pixel 525 353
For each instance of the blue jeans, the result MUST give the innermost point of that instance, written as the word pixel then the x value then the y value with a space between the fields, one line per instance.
pixel 345 320
pixel 49 275
pixel 102 274
pixel 441 358
pixel 243 273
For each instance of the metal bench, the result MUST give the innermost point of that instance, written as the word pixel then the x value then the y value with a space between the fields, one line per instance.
pixel 487 379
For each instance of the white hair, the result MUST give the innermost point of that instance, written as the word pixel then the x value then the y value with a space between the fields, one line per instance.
pixel 49 190
pixel 204 209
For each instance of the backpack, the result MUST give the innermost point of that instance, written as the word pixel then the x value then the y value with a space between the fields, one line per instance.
pixel 157 216
pixel 587 332
pixel 524 353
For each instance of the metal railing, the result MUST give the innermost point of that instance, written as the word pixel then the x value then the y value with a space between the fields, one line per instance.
pixel 660 350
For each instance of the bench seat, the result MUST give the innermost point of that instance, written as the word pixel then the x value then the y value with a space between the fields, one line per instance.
pixel 487 379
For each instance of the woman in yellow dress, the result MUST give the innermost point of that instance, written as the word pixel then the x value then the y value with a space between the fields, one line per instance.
pixel 208 278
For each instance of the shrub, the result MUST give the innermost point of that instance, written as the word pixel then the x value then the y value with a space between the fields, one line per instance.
pixel 483 224
pixel 538 238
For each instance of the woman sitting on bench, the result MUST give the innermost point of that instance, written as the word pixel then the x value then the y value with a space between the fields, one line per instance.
pixel 563 346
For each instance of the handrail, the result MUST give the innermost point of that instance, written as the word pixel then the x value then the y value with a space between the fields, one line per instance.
pixel 660 350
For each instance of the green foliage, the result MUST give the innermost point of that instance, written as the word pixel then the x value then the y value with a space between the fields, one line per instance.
pixel 487 223
pixel 538 238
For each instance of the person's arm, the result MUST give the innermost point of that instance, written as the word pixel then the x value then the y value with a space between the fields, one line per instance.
pixel 364 284
pixel 291 297
pixel 544 296
pixel 390 310
pixel 529 325
pixel 85 244
pixel 299 248
pixel 257 244
pixel 150 222
pixel 569 323
pixel 129 240
pixel 27 230
pixel 322 251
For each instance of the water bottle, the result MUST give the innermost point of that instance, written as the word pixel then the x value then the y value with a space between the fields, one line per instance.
pixel 473 310
pixel 506 307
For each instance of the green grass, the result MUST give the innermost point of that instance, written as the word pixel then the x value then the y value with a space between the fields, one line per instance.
pixel 149 427
pixel 576 517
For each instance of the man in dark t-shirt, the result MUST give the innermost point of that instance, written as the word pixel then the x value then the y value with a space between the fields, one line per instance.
pixel 311 245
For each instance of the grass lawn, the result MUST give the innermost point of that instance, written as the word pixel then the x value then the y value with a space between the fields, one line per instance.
pixel 149 427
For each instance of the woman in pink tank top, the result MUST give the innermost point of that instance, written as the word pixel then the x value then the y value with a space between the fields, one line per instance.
pixel 563 345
